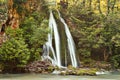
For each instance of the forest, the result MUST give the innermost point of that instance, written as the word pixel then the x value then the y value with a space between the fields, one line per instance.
pixel 94 25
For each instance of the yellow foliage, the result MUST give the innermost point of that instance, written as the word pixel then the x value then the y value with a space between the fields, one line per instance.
pixel 2 1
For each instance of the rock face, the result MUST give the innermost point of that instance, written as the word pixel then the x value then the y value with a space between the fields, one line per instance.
pixel 13 12
pixel 16 10
pixel 40 67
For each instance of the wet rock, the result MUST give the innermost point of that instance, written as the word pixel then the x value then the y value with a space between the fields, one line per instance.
pixel 79 71
pixel 40 67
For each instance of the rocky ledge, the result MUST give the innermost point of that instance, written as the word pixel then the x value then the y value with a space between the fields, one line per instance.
pixel 77 71
pixel 39 67
pixel 47 67
pixel 90 72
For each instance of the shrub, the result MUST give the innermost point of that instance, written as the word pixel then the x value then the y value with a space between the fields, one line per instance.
pixel 14 52
pixel 35 34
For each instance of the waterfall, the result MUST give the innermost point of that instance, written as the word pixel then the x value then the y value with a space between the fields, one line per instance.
pixel 56 53
pixel 53 27
pixel 71 44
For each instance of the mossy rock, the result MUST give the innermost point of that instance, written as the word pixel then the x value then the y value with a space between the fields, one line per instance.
pixel 90 72
pixel 80 71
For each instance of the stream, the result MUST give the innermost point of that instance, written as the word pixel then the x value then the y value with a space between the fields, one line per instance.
pixel 111 76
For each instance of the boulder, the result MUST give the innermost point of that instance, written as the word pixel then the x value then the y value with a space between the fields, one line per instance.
pixel 40 67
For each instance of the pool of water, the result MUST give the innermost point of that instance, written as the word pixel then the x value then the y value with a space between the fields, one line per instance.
pixel 57 77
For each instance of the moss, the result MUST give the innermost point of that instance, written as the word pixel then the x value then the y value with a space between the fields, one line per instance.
pixel 70 67
pixel 80 71
pixel 90 72
pixel 50 69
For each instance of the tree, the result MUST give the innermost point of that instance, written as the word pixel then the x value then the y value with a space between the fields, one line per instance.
pixel 35 33
pixel 14 52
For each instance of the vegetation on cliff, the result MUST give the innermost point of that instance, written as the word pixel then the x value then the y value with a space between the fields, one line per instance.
pixel 94 25
pixel 23 44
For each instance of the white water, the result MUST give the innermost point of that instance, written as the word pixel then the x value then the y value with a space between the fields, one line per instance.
pixel 71 45
pixel 56 53
pixel 53 27
pixel 57 39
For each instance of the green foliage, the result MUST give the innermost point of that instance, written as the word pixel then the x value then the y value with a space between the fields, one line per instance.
pixel 14 51
pixel 3 1
pixel 17 33
pixel 38 38
pixel 35 33
pixel 102 35
pixel 32 6
pixel 116 60
pixel 17 4
pixel 94 31
pixel 25 43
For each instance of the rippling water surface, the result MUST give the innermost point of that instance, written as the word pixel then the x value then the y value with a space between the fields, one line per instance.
pixel 115 76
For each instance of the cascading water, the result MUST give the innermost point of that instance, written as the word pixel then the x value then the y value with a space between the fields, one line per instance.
pixel 53 27
pixel 56 60
pixel 71 45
